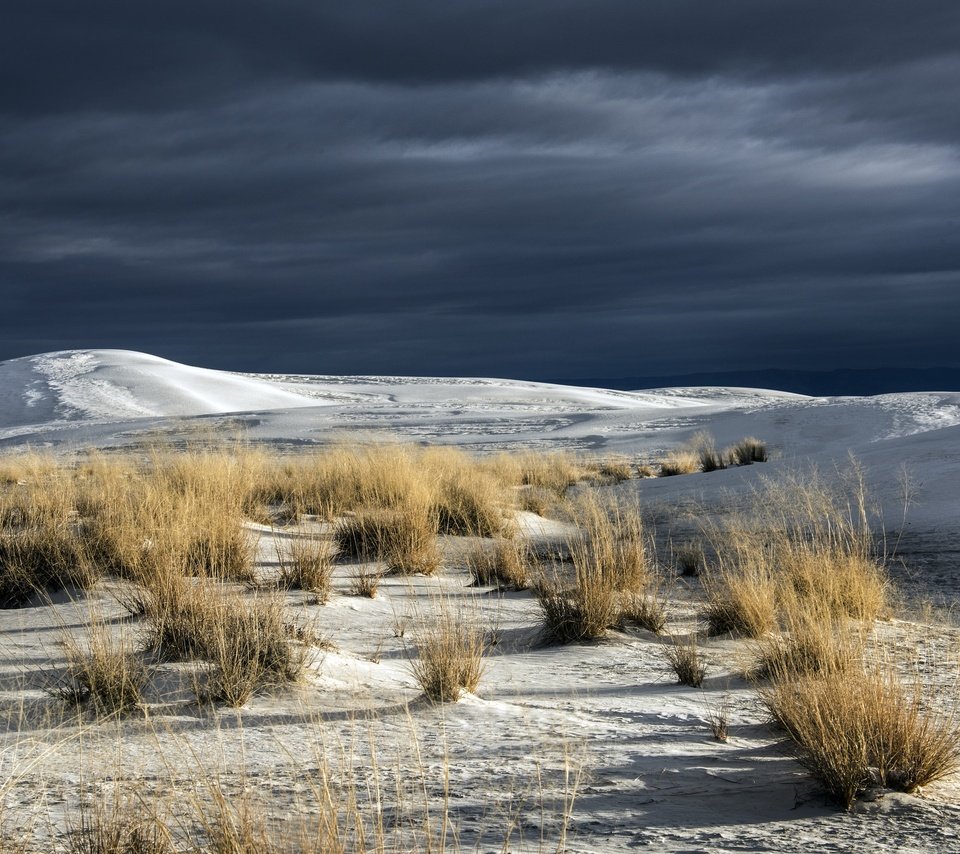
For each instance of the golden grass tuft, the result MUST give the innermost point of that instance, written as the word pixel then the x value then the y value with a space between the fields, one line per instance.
pixel 449 658
pixel 741 600
pixel 403 538
pixel 106 673
pixel 581 612
pixel 505 563
pixel 747 451
pixel 307 565
pixel 248 647
pixel 685 659
pixel 853 730
pixel 680 462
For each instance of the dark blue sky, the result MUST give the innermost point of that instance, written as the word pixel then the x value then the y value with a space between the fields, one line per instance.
pixel 545 189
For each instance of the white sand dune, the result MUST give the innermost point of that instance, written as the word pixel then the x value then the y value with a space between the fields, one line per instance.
pixel 653 777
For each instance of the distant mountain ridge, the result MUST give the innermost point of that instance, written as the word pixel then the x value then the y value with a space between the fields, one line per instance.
pixel 837 383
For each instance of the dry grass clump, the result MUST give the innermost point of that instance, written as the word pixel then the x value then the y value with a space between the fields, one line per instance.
pixel 609 472
pixel 469 500
pixel 741 599
pixel 404 538
pixel 40 559
pixel 848 582
pixel 747 451
pixel 222 552
pixel 536 499
pixel 689 559
pixel 680 462
pixel 555 471
pixel 507 564
pixel 612 543
pixel 249 649
pixel 611 576
pixel 449 658
pixel 803 547
pixel 710 459
pixel 120 828
pixel 583 611
pixel 644 609
pixel 344 479
pixel 246 642
pixel 718 719
pixel 307 565
pixel 366 581
pixel 815 643
pixel 685 659
pixel 106 674
pixel 853 730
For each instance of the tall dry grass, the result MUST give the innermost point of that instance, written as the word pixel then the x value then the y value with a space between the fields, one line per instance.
pixel 804 545
pixel 450 657
pixel 853 730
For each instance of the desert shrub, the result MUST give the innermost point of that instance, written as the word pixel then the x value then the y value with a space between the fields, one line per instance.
pixel 249 649
pixel 645 609
pixel 120 828
pixel 680 462
pixel 404 538
pixel 106 674
pixel 40 559
pixel 852 729
pixel 578 612
pixel 710 459
pixel 741 599
pixel 307 565
pixel 449 658
pixel 685 659
pixel 507 563
pixel 747 451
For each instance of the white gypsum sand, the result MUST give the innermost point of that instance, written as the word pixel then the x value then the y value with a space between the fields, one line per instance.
pixel 588 746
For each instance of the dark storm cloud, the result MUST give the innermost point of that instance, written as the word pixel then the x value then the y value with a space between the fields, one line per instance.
pixel 553 188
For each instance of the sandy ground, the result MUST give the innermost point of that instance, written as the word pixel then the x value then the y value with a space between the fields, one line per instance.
pixel 600 726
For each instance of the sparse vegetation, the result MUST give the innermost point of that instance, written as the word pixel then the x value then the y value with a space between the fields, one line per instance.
pixel 506 564
pixel 684 657
pixel 854 730
pixel 797 574
pixel 307 565
pixel 747 451
pixel 106 673
pixel 449 658
pixel 680 462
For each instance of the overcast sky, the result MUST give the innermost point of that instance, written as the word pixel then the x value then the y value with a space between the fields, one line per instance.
pixel 531 189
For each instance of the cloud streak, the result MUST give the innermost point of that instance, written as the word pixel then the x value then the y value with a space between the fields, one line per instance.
pixel 525 189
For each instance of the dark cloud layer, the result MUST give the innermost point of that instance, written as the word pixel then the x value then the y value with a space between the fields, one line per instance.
pixel 553 188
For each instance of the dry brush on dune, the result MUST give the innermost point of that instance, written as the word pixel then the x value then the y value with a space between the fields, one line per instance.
pixel 796 583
